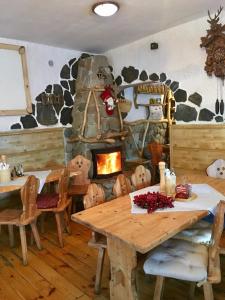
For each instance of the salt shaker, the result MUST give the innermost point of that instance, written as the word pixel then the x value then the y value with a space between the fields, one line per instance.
pixel 173 179
pixel 3 160
pixel 169 183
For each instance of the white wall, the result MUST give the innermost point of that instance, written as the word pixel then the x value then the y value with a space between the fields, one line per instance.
pixel 179 56
pixel 40 73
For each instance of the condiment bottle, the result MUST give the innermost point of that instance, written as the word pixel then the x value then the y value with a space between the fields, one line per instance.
pixel 174 180
pixel 3 158
pixel 162 188
pixel 3 161
pixel 5 174
pixel 169 183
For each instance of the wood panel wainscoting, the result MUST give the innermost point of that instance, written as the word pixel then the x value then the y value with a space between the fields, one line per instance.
pixel 33 148
pixel 195 147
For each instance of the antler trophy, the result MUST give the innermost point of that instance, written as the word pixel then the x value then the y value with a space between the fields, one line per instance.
pixel 214 42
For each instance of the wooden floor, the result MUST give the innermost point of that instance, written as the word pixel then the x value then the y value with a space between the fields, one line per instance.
pixel 68 273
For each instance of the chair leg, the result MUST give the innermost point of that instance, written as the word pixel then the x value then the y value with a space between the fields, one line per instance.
pixel 11 236
pixel 153 174
pixel 67 220
pixel 59 228
pixel 159 288
pixel 208 291
pixel 70 208
pixel 192 291
pixel 23 243
pixel 222 251
pixel 36 234
pixel 42 220
pixel 73 206
pixel 98 278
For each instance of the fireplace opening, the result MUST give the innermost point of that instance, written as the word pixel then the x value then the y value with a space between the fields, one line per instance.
pixel 107 162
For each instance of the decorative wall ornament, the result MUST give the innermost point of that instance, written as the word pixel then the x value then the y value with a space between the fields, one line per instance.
pixel 52 99
pixel 214 42
pixel 108 100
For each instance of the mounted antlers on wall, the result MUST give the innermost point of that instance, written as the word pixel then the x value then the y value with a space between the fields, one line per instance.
pixel 214 42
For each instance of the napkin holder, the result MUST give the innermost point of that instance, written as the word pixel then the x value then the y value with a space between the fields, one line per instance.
pixel 5 175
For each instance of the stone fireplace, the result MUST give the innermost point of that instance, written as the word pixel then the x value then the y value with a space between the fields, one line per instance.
pixel 94 131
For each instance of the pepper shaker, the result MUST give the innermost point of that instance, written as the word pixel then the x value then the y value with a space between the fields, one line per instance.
pixel 162 177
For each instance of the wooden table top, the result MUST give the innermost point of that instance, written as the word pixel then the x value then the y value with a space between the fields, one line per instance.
pixel 141 231
pixel 53 176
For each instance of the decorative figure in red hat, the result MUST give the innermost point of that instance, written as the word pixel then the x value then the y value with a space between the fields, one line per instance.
pixel 108 100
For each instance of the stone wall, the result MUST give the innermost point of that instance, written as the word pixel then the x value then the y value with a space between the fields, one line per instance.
pixel 156 132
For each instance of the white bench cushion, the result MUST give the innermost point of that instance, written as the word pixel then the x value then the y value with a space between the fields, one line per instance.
pixel 178 259
pixel 199 233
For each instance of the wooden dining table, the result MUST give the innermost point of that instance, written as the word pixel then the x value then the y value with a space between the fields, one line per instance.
pixel 129 234
pixel 54 175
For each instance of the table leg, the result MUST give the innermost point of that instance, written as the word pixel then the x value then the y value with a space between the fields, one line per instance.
pixel 123 262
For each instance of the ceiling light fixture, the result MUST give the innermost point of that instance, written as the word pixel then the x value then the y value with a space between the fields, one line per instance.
pixel 105 8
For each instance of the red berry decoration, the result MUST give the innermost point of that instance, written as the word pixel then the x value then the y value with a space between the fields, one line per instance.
pixel 153 201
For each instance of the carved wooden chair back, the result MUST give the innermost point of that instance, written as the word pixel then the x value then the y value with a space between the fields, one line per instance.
pixel 122 186
pixel 29 197
pixel 95 196
pixel 63 187
pixel 59 203
pixel 156 151
pixel 141 178
pixel 81 164
pixel 214 273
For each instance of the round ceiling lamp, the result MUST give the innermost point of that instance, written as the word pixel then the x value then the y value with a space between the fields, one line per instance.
pixel 105 8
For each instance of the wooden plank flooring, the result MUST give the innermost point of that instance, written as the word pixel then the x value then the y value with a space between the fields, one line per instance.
pixel 68 274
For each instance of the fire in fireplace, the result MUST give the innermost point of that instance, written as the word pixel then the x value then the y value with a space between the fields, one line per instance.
pixel 107 162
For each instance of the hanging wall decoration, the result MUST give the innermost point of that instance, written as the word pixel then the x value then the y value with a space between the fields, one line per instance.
pixel 214 42
pixel 109 100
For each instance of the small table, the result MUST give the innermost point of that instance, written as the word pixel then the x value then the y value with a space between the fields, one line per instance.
pixel 53 176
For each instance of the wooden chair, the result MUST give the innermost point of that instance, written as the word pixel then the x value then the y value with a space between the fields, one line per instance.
pixel 201 232
pixel 79 184
pixel 141 178
pixel 95 196
pixel 122 186
pixel 156 151
pixel 188 261
pixel 59 203
pixel 21 218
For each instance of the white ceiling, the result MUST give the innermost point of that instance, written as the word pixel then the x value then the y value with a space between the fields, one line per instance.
pixel 71 23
